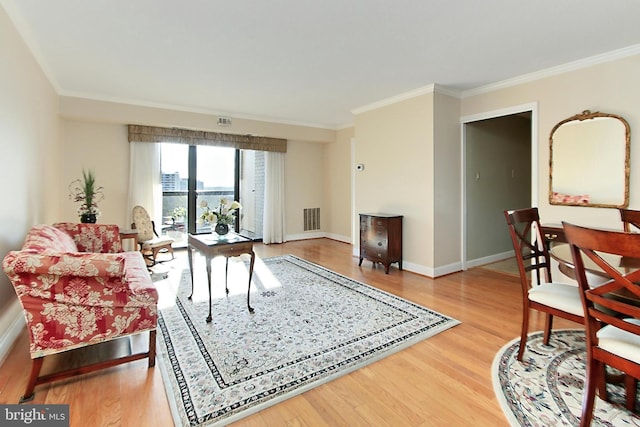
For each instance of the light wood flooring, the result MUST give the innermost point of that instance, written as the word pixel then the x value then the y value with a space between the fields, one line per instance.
pixel 442 381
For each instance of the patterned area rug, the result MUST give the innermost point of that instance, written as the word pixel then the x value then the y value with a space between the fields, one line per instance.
pixel 310 325
pixel 546 389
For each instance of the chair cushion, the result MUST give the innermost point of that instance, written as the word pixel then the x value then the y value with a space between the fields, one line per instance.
pixel 623 343
pixel 157 242
pixel 558 295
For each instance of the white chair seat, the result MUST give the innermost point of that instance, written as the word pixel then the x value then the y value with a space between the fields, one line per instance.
pixel 156 242
pixel 558 295
pixel 622 343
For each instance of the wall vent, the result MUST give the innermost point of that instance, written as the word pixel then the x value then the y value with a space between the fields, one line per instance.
pixel 311 219
pixel 224 121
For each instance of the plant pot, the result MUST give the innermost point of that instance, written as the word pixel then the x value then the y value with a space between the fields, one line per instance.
pixel 88 218
pixel 222 229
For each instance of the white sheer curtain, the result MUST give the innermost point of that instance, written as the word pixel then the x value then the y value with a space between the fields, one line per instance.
pixel 145 188
pixel 274 220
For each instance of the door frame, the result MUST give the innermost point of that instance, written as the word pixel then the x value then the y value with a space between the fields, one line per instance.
pixel 535 171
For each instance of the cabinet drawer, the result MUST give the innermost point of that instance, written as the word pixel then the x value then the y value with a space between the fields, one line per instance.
pixel 375 254
pixel 234 250
pixel 380 222
pixel 379 232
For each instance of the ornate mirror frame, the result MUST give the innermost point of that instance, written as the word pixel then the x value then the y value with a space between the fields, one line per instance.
pixel 591 154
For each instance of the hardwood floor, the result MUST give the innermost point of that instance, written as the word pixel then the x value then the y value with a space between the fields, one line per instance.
pixel 444 380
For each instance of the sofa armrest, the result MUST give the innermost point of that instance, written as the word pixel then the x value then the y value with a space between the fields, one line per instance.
pixel 64 264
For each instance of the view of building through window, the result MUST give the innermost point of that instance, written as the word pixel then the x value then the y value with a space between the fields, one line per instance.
pixel 215 175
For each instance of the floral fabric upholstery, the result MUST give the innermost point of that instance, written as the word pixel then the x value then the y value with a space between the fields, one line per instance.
pixel 73 298
pixel 104 238
pixel 143 224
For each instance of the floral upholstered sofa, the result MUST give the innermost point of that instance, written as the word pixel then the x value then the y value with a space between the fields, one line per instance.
pixel 78 288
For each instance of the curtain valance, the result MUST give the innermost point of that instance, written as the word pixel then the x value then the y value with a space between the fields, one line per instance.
pixel 140 133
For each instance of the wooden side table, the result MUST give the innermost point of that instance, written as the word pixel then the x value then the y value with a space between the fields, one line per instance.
pixel 381 239
pixel 212 245
pixel 129 234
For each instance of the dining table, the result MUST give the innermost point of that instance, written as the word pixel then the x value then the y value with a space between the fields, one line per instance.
pixel 561 252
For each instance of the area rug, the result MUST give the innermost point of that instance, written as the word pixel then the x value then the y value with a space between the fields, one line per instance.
pixel 546 388
pixel 310 325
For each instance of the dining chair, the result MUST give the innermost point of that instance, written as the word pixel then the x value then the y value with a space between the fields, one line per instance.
pixel 612 321
pixel 150 242
pixel 539 292
pixel 630 218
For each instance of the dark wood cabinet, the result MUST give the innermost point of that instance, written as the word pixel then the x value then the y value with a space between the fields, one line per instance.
pixel 381 239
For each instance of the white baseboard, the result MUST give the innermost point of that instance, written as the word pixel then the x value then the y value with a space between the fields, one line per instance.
pixel 11 324
pixel 489 259
pixel 304 236
pixel 338 237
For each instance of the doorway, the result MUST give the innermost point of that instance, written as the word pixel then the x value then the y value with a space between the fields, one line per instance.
pixel 500 171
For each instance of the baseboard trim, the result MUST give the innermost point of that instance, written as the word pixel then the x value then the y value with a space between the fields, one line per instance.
pixel 12 323
pixel 489 259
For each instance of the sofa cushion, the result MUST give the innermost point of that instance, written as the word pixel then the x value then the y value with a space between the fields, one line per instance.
pixel 103 238
pixel 46 238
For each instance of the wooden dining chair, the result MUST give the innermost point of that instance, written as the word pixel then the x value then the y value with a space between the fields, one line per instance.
pixel 612 314
pixel 630 218
pixel 539 292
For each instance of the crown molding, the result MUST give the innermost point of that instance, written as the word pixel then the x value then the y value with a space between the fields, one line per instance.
pixel 173 107
pixel 553 71
pixel 394 99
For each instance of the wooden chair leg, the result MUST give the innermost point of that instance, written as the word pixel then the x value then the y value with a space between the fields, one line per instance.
pixel 595 369
pixel 152 348
pixel 548 324
pixel 524 332
pixel 631 387
pixel 36 365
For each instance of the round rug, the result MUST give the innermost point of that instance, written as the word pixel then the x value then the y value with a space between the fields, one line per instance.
pixel 546 388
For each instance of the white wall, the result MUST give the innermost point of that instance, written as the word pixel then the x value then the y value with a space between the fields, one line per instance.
pixel 337 174
pixel 395 144
pixel 96 137
pixel 607 87
pixel 29 165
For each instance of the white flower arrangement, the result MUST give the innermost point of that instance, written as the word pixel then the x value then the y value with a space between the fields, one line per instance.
pixel 222 214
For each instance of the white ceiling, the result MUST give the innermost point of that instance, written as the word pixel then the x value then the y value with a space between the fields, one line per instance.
pixel 304 61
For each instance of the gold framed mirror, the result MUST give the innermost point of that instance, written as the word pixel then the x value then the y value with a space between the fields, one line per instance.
pixel 589 161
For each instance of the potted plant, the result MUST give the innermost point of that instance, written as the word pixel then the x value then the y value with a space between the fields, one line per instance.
pixel 85 192
pixel 223 215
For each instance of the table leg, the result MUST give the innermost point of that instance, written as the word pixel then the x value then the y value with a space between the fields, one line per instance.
pixel 190 255
pixel 226 274
pixel 253 258
pixel 209 280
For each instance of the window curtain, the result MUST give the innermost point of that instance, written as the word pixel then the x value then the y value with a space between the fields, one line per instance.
pixel 154 134
pixel 145 188
pixel 274 207
pixel 143 178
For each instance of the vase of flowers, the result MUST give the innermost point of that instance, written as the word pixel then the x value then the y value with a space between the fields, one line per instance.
pixel 222 215
pixel 85 192
pixel 178 214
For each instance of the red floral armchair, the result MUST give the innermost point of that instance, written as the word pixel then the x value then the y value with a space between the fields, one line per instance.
pixel 78 288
